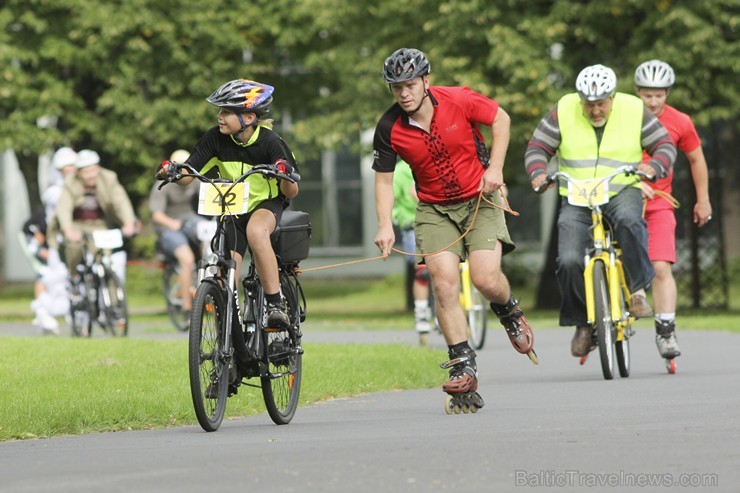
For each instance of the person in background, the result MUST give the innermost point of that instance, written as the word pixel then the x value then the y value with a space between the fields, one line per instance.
pixel 404 214
pixel 653 81
pixel 50 298
pixel 175 222
pixel 93 199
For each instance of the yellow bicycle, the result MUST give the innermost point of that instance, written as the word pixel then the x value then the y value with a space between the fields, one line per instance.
pixel 607 293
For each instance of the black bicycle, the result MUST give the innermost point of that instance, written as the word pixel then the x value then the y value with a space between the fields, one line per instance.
pixel 97 294
pixel 230 342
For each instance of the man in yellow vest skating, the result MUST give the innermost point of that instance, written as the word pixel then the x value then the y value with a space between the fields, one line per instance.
pixel 594 131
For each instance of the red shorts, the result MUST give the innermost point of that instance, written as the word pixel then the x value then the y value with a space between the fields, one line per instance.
pixel 661 226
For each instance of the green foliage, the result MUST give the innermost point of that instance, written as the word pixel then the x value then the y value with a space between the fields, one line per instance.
pixel 129 78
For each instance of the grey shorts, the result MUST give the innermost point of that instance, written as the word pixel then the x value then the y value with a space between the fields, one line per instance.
pixel 437 226
pixel 170 240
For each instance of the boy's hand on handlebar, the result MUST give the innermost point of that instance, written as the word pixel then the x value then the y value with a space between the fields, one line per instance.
pixel 164 170
pixel 168 171
pixel 284 167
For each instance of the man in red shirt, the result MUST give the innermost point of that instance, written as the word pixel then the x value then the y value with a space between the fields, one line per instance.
pixel 654 80
pixel 435 130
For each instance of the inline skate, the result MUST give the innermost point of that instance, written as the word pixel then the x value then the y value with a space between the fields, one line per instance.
pixel 463 383
pixel 517 328
pixel 665 340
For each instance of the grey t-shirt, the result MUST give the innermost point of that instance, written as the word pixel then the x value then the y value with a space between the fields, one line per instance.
pixel 175 201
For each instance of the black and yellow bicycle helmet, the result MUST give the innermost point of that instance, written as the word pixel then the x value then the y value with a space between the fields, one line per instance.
pixel 243 96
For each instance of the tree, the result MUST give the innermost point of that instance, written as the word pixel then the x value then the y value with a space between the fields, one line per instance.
pixel 126 78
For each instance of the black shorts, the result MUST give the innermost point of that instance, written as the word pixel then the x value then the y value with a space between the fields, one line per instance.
pixel 236 226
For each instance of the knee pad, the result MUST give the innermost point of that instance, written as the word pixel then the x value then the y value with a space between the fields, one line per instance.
pixel 422 275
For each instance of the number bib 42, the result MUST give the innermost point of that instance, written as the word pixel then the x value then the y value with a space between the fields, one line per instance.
pixel 223 199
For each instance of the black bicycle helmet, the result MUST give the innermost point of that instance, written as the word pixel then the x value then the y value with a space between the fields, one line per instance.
pixel 405 64
pixel 243 96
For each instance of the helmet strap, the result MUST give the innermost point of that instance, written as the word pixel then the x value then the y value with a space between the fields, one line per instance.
pixel 425 81
pixel 426 94
pixel 244 125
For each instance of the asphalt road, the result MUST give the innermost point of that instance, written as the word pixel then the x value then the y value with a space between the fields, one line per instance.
pixel 553 427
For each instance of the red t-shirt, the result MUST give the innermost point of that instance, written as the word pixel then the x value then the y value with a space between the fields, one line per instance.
pixel 448 161
pixel 684 136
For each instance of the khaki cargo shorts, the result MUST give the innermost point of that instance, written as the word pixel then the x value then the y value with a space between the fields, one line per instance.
pixel 437 226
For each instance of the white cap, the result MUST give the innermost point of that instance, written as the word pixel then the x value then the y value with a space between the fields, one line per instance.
pixel 63 157
pixel 86 158
pixel 179 156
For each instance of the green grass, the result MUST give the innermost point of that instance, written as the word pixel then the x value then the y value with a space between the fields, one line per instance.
pixel 63 386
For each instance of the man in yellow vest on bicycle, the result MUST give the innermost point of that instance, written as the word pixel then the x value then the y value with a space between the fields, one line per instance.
pixel 594 131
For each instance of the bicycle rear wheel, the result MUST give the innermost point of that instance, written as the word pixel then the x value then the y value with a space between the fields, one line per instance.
pixel 207 360
pixel 113 304
pixel 477 318
pixel 605 330
pixel 281 387
pixel 80 313
pixel 172 296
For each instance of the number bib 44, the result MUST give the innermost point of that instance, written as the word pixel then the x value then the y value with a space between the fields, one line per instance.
pixel 223 199
pixel 588 193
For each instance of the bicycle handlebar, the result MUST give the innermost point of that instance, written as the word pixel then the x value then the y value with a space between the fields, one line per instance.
pixel 266 170
pixel 626 170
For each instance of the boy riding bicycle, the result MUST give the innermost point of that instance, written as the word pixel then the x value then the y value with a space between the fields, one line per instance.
pixel 243 138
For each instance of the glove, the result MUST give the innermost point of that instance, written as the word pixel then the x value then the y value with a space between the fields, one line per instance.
pixel 164 170
pixel 284 167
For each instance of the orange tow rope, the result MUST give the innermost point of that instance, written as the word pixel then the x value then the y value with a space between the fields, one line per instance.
pixel 506 208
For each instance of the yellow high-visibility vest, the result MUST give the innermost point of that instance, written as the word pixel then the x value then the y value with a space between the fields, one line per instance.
pixel 580 156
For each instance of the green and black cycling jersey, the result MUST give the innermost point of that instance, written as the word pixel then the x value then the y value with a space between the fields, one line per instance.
pixel 218 155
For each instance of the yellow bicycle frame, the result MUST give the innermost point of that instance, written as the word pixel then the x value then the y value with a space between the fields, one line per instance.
pixel 466 295
pixel 614 271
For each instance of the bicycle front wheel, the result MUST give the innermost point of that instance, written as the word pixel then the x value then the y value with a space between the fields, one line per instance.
pixel 477 318
pixel 281 386
pixel 605 330
pixel 80 313
pixel 113 304
pixel 207 359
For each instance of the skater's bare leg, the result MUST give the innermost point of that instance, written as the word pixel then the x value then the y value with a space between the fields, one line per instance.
pixel 444 268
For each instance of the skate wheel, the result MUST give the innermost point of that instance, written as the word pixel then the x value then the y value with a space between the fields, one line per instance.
pixel 466 408
pixel 457 408
pixel 582 360
pixel 670 364
pixel 474 409
pixel 448 404
pixel 533 356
